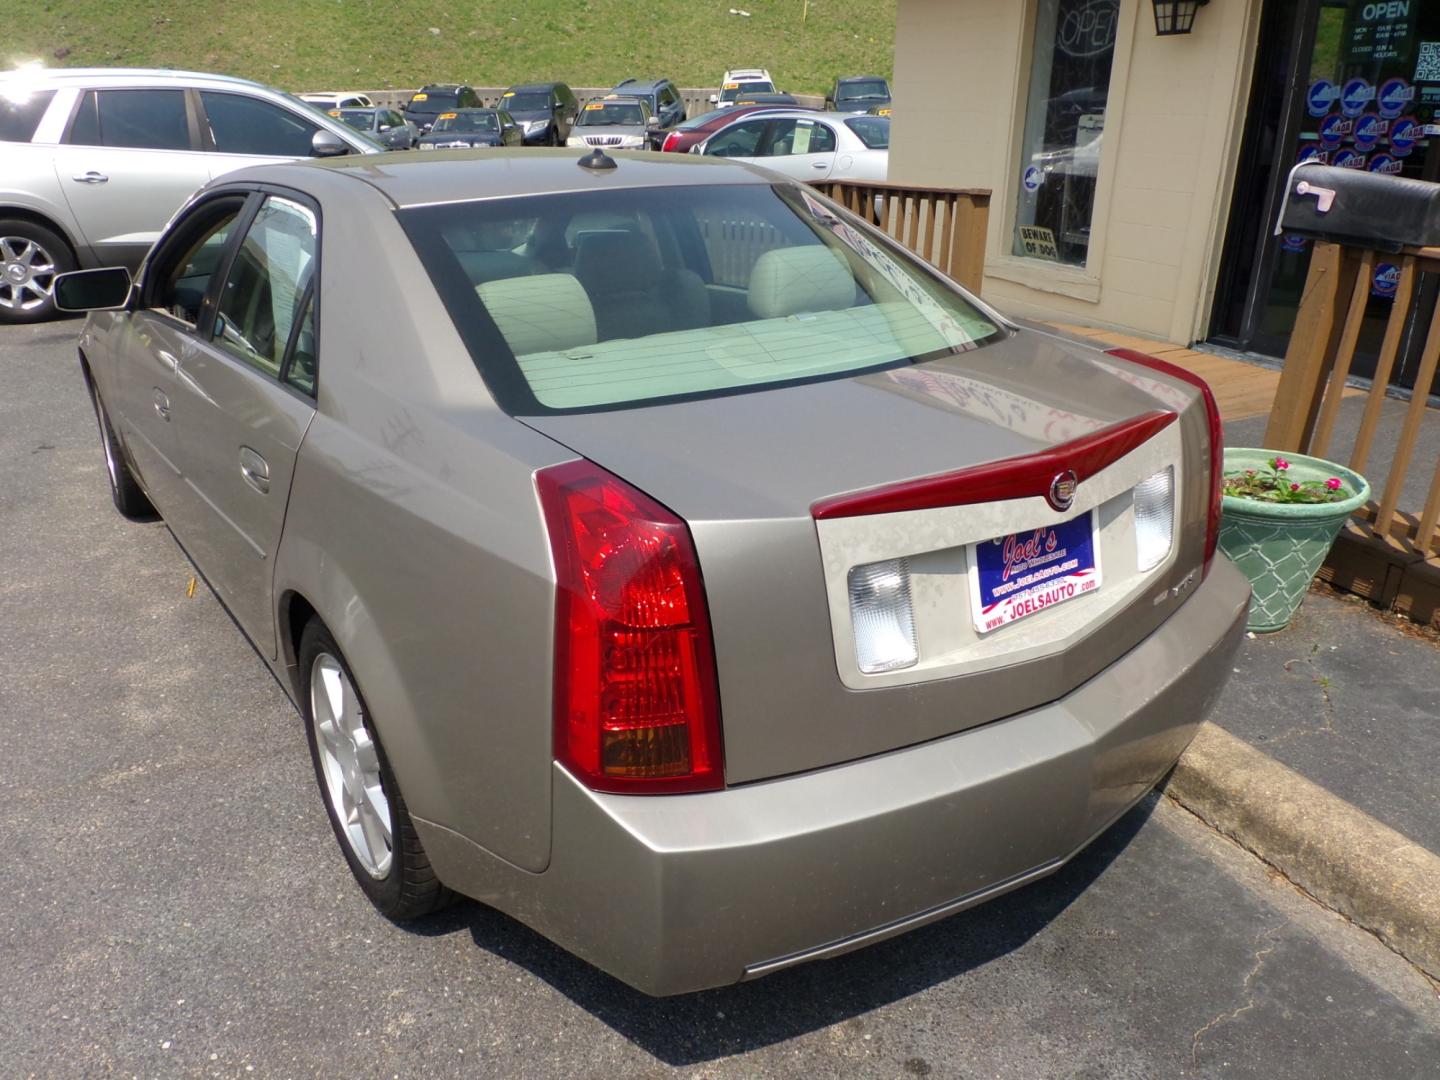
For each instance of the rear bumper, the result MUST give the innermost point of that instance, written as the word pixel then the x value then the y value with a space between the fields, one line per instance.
pixel 679 893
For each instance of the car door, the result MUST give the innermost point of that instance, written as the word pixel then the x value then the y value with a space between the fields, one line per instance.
pixel 178 281
pixel 800 148
pixel 129 159
pixel 240 130
pixel 742 140
pixel 245 397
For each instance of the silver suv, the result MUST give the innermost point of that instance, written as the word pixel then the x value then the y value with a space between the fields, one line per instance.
pixel 93 162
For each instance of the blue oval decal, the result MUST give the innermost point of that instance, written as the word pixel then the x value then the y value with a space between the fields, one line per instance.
pixel 1394 97
pixel 1320 97
pixel 1357 94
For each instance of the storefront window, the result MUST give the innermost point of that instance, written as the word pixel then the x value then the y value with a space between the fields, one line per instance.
pixel 1064 127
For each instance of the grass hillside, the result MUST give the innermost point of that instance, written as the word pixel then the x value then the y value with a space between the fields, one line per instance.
pixel 320 44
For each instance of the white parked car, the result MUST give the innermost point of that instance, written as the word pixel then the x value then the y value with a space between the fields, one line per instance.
pixel 95 161
pixel 339 99
pixel 742 81
pixel 807 145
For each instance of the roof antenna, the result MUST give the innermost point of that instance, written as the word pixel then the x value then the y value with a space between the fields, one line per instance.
pixel 597 159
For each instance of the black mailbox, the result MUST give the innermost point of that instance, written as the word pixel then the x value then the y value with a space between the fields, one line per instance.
pixel 1349 206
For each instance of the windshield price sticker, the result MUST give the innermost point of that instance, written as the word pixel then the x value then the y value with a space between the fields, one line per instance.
pixel 1025 572
pixel 594 106
pixel 447 116
pixel 421 97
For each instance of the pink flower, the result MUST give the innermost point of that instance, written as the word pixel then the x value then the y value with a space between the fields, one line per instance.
pixel 1294 487
pixel 1280 463
pixel 1249 472
pixel 1333 483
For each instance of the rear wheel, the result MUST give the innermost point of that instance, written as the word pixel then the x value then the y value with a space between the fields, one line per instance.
pixel 125 490
pixel 366 809
pixel 30 257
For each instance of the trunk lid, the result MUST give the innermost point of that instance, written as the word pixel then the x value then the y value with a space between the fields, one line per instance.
pixel 745 472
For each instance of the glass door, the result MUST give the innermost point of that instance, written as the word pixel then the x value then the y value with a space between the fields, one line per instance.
pixel 1352 83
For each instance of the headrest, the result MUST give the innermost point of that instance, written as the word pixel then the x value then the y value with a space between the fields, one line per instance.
pixel 787 281
pixel 617 261
pixel 541 313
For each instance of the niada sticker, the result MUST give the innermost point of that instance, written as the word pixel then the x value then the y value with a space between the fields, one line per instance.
pixel 1313 153
pixel 1394 97
pixel 1386 280
pixel 1355 96
pixel 1292 242
pixel 1032 178
pixel 1368 130
pixel 1404 134
pixel 1332 129
pixel 1384 163
pixel 1320 97
pixel 1348 159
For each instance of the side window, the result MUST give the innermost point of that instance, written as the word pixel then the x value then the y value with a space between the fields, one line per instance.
pixel 134 119
pixel 800 137
pixel 244 125
pixel 180 276
pixel 304 362
pixel 738 140
pixel 21 116
pixel 260 302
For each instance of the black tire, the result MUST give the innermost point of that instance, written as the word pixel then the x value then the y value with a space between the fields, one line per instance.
pixel 125 491
pixel 554 139
pixel 409 889
pixel 28 298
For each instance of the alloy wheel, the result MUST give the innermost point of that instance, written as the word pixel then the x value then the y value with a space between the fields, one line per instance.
pixel 350 762
pixel 27 274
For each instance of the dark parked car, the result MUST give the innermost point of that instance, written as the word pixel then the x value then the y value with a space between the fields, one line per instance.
pixel 430 101
pixel 385 126
pixel 465 128
pixel 699 128
pixel 545 111
pixel 857 93
pixel 662 95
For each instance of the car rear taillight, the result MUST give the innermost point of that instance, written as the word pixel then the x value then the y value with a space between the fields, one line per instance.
pixel 1217 438
pixel 637 706
pixel 670 141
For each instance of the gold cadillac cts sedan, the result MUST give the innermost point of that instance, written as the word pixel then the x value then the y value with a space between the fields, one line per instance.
pixel 670 560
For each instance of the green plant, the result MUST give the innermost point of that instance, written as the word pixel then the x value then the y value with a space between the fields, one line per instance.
pixel 1275 486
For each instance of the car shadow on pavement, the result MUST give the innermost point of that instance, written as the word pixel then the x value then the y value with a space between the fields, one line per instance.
pixel 717 1023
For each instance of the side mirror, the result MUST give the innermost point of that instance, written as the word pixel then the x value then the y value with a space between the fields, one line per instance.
pixel 654 121
pixel 106 289
pixel 327 144
pixel 714 99
pixel 384 127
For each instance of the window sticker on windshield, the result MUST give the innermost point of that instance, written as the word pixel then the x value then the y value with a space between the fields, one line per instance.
pixel 882 112
pixel 803 131
pixel 334 112
pixel 594 105
pixel 508 93
pixel 421 97
pixel 732 86
pixel 447 116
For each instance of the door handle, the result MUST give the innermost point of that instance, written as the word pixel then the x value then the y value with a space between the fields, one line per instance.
pixel 91 177
pixel 162 404
pixel 255 469
pixel 819 165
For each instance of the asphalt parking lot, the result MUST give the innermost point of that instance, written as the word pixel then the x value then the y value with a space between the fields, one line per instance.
pixel 175 903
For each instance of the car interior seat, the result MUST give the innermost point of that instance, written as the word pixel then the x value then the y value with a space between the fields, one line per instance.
pixel 633 293
pixel 795 280
pixel 540 312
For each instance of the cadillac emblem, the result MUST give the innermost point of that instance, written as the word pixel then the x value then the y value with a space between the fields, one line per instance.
pixel 1062 490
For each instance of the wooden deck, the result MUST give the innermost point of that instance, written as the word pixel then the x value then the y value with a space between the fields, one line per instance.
pixel 1240 389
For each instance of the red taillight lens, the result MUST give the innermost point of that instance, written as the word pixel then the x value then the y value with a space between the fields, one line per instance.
pixel 1217 437
pixel 636 701
pixel 670 141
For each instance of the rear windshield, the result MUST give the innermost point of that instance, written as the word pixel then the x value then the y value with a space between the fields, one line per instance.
pixel 467 121
pixel 873 131
pixel 20 113
pixel 596 300
pixel 359 119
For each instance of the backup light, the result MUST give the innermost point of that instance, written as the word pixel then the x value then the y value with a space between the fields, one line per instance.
pixel 882 616
pixel 1154 518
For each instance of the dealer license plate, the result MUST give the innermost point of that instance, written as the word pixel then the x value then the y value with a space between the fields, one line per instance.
pixel 1017 575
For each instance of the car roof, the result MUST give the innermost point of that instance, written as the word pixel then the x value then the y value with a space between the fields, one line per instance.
pixel 416 180
pixel 751 74
pixel 447 87
pixel 121 76
pixel 621 99
pixel 861 78
pixel 533 88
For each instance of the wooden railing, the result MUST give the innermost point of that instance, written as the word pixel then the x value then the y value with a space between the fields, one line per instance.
pixel 944 226
pixel 1317 363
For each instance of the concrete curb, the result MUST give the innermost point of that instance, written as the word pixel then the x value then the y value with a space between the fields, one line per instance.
pixel 1337 853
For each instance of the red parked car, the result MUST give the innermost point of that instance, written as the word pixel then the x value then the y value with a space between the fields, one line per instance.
pixel 697 129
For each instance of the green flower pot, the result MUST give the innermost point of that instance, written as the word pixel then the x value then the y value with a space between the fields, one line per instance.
pixel 1280 546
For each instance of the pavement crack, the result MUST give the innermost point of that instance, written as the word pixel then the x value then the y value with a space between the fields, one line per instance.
pixel 1225 1018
